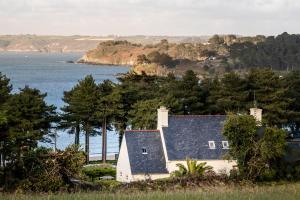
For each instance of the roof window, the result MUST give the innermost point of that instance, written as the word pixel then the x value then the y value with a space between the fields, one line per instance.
pixel 225 144
pixel 144 151
pixel 212 144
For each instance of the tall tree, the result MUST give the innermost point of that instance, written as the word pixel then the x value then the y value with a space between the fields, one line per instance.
pixel 29 121
pixel 108 107
pixel 211 88
pixel 69 118
pixel 144 114
pixel 232 94
pixel 133 88
pixel 292 85
pixel 80 108
pixel 5 89
pixel 270 95
pixel 190 93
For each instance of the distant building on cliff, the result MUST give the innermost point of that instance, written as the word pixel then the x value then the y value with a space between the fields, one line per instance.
pixel 153 154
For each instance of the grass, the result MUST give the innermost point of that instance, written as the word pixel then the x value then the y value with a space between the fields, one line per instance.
pixel 265 192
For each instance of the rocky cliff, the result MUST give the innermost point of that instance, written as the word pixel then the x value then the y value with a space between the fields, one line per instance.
pixel 159 58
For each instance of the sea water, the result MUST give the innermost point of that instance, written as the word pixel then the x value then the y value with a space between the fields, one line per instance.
pixel 51 73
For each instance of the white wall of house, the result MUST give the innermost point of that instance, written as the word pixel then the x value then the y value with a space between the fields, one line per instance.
pixel 142 177
pixel 219 166
pixel 123 166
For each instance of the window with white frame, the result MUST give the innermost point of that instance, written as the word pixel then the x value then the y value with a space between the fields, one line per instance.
pixel 144 151
pixel 225 144
pixel 120 173
pixel 211 144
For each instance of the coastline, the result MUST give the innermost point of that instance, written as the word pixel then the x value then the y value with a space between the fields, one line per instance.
pixel 80 61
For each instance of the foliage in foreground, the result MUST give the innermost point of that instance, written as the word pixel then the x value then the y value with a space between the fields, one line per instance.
pixel 257 149
pixel 192 169
pixel 43 170
pixel 95 172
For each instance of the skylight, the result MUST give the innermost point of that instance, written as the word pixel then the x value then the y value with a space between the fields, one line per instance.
pixel 212 144
pixel 144 151
pixel 225 144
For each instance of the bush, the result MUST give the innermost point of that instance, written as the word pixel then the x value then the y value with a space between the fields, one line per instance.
pixel 95 172
pixel 43 170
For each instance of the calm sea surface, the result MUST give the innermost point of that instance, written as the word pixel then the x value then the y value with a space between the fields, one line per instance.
pixel 52 75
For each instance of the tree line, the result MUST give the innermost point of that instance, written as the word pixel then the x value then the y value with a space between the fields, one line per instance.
pixel 132 102
pixel 279 53
pixel 92 108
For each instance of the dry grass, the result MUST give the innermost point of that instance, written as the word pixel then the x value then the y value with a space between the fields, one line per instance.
pixel 284 191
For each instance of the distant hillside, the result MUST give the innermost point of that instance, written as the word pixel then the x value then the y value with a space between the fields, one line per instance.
pixel 219 54
pixel 155 58
pixel 34 43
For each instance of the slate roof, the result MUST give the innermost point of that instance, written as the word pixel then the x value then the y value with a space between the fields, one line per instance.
pixel 188 136
pixel 154 161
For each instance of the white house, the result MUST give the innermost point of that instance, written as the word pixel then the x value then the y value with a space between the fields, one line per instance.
pixel 153 154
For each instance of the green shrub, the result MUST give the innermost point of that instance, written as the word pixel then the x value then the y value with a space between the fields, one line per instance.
pixel 44 170
pixel 95 172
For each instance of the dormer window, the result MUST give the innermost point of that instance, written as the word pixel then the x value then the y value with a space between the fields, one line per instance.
pixel 211 145
pixel 144 151
pixel 225 144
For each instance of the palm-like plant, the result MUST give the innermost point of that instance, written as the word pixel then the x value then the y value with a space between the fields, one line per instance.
pixel 192 169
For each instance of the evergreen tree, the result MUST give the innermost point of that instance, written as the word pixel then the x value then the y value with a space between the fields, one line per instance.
pixel 5 89
pixel 211 88
pixel 69 118
pixel 29 121
pixel 144 114
pixel 108 107
pixel 270 95
pixel 292 84
pixel 131 89
pixel 169 94
pixel 190 94
pixel 81 106
pixel 232 94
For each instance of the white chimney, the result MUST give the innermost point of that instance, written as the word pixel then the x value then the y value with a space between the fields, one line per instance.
pixel 256 113
pixel 162 117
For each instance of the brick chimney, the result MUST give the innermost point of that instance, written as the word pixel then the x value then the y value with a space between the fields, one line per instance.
pixel 162 117
pixel 256 113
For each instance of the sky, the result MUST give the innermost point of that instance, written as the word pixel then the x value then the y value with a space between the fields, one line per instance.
pixel 149 17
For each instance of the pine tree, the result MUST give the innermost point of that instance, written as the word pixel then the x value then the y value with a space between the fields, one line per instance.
pixel 108 107
pixel 80 108
pixel 5 89
pixel 292 85
pixel 270 95
pixel 29 121
pixel 190 93
pixel 232 94
pixel 144 114
pixel 69 119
